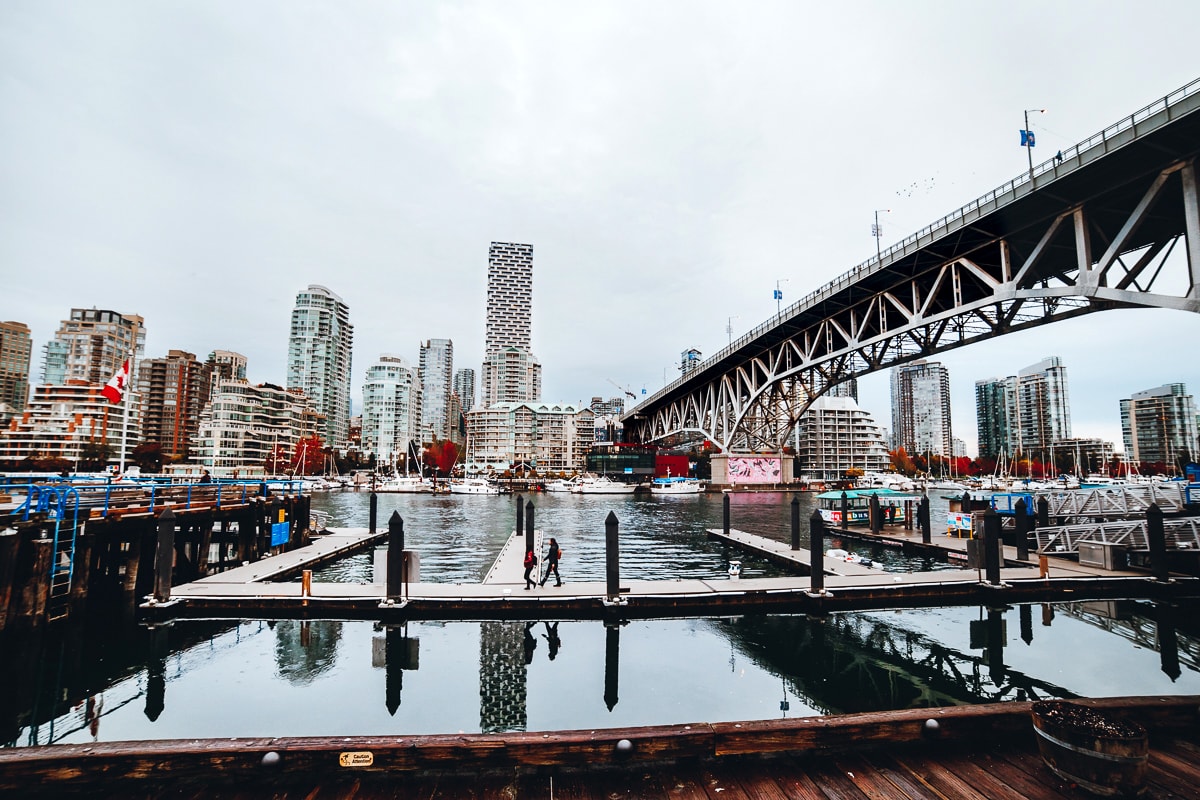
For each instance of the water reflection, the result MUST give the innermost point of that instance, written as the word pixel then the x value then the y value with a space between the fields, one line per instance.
pixel 192 679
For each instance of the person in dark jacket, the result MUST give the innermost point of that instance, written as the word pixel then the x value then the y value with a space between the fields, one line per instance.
pixel 530 563
pixel 552 554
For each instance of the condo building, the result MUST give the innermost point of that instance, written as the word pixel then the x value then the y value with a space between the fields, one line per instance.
pixel 1159 426
pixel 66 420
pixel 92 345
pixel 464 387
pixel 921 408
pixel 1026 413
pixel 16 349
pixel 835 435
pixel 245 425
pixel 225 365
pixel 320 345
pixel 542 436
pixel 174 391
pixel 389 418
pixel 435 372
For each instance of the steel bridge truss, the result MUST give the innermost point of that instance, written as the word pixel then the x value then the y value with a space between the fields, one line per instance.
pixel 1136 246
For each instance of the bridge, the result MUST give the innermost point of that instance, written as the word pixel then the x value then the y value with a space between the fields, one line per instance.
pixel 1113 223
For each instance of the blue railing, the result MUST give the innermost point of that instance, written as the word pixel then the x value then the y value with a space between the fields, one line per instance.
pixel 41 494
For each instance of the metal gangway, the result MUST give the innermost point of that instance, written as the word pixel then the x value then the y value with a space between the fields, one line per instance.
pixel 1120 501
pixel 1180 534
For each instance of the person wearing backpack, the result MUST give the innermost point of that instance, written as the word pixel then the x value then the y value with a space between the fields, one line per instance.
pixel 530 563
pixel 552 556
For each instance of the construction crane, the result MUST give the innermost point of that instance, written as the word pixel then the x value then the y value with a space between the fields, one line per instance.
pixel 624 389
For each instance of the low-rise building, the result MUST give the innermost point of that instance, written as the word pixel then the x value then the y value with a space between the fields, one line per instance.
pixel 548 437
pixel 66 420
pixel 835 435
pixel 245 425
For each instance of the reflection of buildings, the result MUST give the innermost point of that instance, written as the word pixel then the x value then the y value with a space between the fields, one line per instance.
pixel 305 649
pixel 502 677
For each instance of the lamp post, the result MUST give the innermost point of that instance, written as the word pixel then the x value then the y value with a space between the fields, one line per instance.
pixel 877 232
pixel 729 329
pixel 779 293
pixel 1029 138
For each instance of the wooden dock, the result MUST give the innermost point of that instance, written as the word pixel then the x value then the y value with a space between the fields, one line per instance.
pixel 977 752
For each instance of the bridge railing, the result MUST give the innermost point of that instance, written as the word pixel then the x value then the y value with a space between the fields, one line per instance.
pixel 1072 158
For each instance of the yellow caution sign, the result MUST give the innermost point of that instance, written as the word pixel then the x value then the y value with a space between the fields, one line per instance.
pixel 356 758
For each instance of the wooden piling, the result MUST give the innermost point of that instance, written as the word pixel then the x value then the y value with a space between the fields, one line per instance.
pixel 991 547
pixel 612 556
pixel 1157 542
pixel 9 541
pixel 724 513
pixel 795 523
pixel 164 556
pixel 816 549
pixel 395 557
pixel 1023 524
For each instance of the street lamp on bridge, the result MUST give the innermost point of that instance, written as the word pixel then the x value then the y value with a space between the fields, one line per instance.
pixel 1027 138
pixel 729 329
pixel 877 232
pixel 779 293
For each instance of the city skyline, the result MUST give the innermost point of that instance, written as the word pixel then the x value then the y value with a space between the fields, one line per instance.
pixel 667 197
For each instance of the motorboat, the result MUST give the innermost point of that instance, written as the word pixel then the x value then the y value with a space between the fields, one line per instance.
pixel 405 484
pixel 561 485
pixel 473 486
pixel 602 484
pixel 858 504
pixel 676 486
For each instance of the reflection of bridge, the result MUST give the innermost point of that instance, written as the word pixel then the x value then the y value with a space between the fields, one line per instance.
pixel 847 663
pixel 1095 231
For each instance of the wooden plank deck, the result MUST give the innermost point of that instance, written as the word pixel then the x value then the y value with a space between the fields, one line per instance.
pixel 337 543
pixel 983 752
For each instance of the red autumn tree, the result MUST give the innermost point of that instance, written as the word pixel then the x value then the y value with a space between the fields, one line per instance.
pixel 309 457
pixel 441 456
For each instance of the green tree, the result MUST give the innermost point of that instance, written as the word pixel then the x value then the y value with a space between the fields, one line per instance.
pixel 93 456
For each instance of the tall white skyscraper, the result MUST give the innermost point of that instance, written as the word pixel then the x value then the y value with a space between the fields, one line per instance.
pixel 319 352
pixel 435 373
pixel 511 373
pixel 464 387
pixel 389 418
pixel 921 408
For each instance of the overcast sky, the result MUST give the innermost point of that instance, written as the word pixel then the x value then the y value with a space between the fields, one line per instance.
pixel 199 163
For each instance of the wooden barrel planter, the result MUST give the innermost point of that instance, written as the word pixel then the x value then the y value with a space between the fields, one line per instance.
pixel 1102 754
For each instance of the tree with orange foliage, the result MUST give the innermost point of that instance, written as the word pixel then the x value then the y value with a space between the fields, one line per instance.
pixel 902 462
pixel 310 456
pixel 441 456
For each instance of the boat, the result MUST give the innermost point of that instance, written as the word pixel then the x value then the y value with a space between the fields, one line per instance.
pixel 405 484
pixel 561 485
pixel 850 558
pixel 602 484
pixel 473 486
pixel 858 503
pixel 676 486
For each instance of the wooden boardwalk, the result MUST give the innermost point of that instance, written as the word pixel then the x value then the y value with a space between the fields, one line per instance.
pixel 976 752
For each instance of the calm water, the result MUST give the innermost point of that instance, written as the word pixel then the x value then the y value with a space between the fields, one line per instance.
pixel 292 678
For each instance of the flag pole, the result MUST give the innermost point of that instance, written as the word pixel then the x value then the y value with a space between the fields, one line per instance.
pixel 125 422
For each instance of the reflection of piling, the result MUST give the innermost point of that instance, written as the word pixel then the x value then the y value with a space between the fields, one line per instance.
pixel 1158 543
pixel 725 513
pixel 816 543
pixel 612 558
pixel 1168 642
pixel 995 646
pixel 796 523
pixel 400 653
pixel 612 662
pixel 1026 624
pixel 395 557
pixel 1023 521
pixel 156 672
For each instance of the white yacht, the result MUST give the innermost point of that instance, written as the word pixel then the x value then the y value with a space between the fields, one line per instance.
pixel 561 485
pixel 473 486
pixel 405 484
pixel 602 484
pixel 676 486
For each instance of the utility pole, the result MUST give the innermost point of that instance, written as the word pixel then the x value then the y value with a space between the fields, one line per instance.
pixel 877 232
pixel 779 293
pixel 1028 138
pixel 729 329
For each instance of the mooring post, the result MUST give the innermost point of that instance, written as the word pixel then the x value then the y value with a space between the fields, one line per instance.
pixel 816 544
pixel 724 513
pixel 1158 543
pixel 372 514
pixel 908 515
pixel 520 529
pixel 1043 511
pixel 796 523
pixel 845 511
pixel 528 525
pixel 395 557
pixel 875 510
pixel 1024 523
pixel 923 511
pixel 991 546
pixel 612 556
pixel 164 555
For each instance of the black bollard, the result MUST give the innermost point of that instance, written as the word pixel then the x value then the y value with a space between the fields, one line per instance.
pixel 923 512
pixel 164 556
pixel 521 520
pixel 528 525
pixel 1024 522
pixel 876 514
pixel 612 558
pixel 796 523
pixel 1043 511
pixel 725 513
pixel 374 508
pixel 845 511
pixel 1158 543
pixel 395 557
pixel 816 543
pixel 612 661
pixel 991 547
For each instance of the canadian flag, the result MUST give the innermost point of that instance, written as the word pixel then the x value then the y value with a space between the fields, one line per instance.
pixel 114 390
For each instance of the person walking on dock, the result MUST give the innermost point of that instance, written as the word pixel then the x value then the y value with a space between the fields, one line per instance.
pixel 530 563
pixel 552 554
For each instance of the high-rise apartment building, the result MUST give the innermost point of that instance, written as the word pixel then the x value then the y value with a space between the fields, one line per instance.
pixel 847 388
pixel 225 365
pixel 510 372
pixel 174 391
pixel 319 351
pixel 1026 413
pixel 835 435
pixel 436 375
pixel 16 349
pixel 1159 426
pixel 689 361
pixel 464 387
pixel 389 418
pixel 921 408
pixel 92 345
